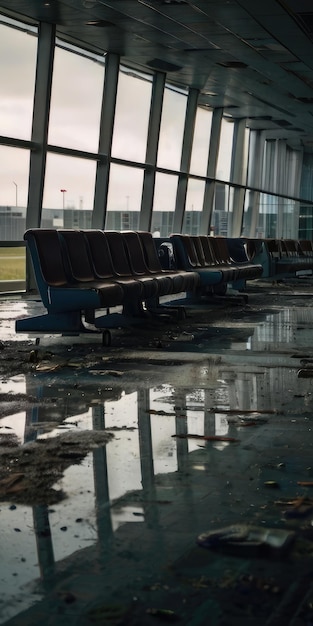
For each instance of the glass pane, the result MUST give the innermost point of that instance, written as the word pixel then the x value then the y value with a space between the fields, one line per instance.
pixel 172 129
pixel 68 192
pixel 194 205
pixel 76 97
pixel 267 216
pixel 164 204
pixel 219 222
pixel 269 169
pixel 131 117
pixel 250 216
pixel 14 174
pixel 290 219
pixel 124 197
pixel 306 186
pixel 17 69
pixel 201 142
pixel 225 151
pixel 306 222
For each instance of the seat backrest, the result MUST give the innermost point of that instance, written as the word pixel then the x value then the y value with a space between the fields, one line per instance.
pixel 237 247
pixel 118 253
pixel 185 252
pixel 150 252
pixel 273 247
pixel 220 248
pixel 306 247
pixel 45 250
pixel 135 253
pixel 100 253
pixel 209 256
pixel 198 248
pixel 76 257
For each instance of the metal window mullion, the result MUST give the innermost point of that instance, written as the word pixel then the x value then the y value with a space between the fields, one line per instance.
pixel 255 161
pixel 209 192
pixel 280 155
pixel 181 193
pixel 42 97
pixel 236 176
pixel 39 138
pixel 105 140
pixel 152 151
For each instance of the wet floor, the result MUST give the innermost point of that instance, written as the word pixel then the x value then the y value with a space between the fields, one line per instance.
pixel 114 460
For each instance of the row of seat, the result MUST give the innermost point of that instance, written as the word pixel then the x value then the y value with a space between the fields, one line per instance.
pixel 281 258
pixel 219 261
pixel 81 271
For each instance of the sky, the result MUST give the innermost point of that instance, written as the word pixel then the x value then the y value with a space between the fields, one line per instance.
pixel 74 122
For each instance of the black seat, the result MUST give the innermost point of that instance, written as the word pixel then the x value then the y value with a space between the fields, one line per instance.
pixel 181 280
pixel 162 283
pixel 122 267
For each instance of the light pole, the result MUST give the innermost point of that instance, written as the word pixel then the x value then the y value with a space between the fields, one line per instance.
pixel 15 192
pixel 63 192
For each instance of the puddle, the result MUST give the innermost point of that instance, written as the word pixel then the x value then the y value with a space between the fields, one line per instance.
pixel 147 446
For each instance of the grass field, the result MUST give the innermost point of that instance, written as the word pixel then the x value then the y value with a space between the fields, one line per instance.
pixel 12 263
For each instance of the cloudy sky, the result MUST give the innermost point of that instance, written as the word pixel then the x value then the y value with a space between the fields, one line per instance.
pixel 74 122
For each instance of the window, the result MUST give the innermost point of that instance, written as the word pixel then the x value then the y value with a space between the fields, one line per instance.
pixel 131 116
pixel 164 203
pixel 194 206
pixel 172 129
pixel 14 174
pixel 69 186
pixel 125 190
pixel 225 151
pixel 76 97
pixel 17 69
pixel 201 142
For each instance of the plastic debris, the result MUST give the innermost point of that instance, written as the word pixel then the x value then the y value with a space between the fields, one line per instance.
pixel 305 483
pixel 207 437
pixel 165 615
pixel 242 539
pixel 272 483
pixel 298 507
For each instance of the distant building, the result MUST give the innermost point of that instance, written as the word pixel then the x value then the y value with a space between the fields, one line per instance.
pixel 13 221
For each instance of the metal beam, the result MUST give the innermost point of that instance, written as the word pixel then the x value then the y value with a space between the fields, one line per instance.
pixel 152 151
pixel 190 120
pixel 105 140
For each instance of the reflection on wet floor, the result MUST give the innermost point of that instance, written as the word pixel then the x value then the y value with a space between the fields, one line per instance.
pixel 207 424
